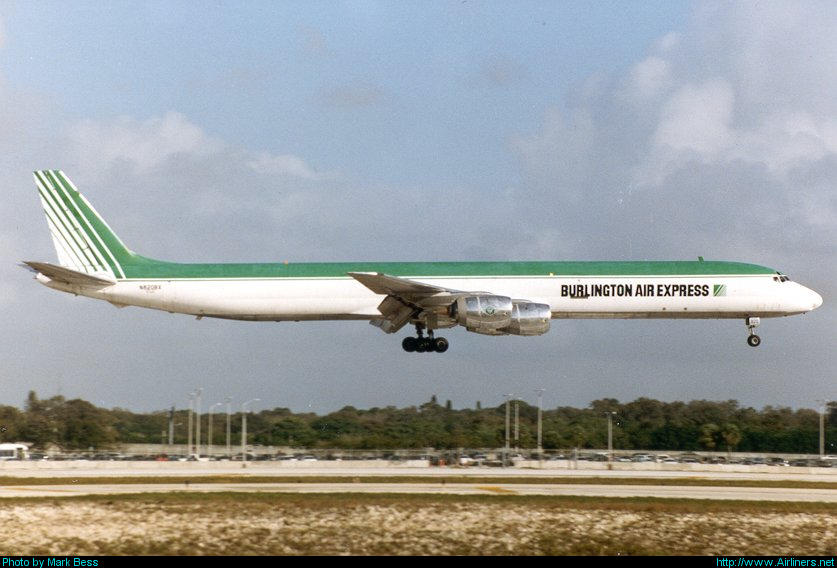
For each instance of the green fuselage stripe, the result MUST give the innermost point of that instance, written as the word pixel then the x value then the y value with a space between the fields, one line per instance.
pixel 140 267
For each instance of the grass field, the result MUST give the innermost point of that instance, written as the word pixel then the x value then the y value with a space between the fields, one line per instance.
pixel 389 524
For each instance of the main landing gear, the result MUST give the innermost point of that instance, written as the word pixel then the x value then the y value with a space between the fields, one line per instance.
pixel 753 340
pixel 423 344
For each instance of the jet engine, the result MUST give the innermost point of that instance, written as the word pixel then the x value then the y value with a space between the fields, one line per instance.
pixel 483 314
pixel 529 318
pixel 499 315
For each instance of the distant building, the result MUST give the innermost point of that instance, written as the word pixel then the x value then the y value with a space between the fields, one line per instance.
pixel 14 451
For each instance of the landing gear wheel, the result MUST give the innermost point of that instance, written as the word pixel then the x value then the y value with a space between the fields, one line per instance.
pixel 422 344
pixel 752 323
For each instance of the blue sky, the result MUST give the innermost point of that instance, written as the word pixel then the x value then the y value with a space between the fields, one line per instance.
pixel 375 90
pixel 264 131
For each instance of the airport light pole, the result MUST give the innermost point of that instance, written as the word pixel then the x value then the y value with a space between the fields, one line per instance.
pixel 823 404
pixel 244 430
pixel 171 428
pixel 516 424
pixel 229 414
pixel 540 422
pixel 198 423
pixel 209 440
pixel 610 439
pixel 189 436
pixel 506 450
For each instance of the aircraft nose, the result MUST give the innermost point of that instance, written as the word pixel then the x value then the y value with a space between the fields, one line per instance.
pixel 816 299
pixel 804 300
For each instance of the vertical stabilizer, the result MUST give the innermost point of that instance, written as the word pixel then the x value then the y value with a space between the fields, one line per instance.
pixel 82 239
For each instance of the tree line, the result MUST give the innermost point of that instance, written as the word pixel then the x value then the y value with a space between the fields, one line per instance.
pixel 644 424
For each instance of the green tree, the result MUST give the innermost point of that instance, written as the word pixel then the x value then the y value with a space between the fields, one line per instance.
pixel 84 425
pixel 709 436
pixel 731 436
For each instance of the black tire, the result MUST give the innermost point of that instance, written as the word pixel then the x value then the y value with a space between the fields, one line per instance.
pixel 409 344
pixel 754 341
pixel 422 345
pixel 440 345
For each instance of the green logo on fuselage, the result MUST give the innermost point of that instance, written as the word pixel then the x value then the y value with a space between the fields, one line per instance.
pixel 719 290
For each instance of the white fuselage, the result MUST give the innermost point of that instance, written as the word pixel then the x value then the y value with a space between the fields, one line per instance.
pixel 341 298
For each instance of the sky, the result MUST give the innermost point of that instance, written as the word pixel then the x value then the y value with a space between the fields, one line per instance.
pixel 379 131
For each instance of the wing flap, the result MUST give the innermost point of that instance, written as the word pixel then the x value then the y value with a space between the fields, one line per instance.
pixel 69 276
pixel 405 298
pixel 396 314
pixel 381 283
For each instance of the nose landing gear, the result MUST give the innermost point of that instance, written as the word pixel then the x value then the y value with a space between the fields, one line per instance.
pixel 753 340
pixel 421 344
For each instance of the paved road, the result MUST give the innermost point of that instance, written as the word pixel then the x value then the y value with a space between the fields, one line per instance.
pixel 194 470
pixel 662 491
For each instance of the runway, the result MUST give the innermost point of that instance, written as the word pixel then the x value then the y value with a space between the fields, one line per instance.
pixel 584 490
pixel 71 478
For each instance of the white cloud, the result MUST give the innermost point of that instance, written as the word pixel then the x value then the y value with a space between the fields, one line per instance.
pixel 697 118
pixel 723 136
pixel 286 164
pixel 144 145
pixel 694 123
pixel 150 144
pixel 562 149
pixel 668 42
pixel 789 140
pixel 650 77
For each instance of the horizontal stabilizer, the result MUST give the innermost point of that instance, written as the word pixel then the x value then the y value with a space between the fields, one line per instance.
pixel 69 276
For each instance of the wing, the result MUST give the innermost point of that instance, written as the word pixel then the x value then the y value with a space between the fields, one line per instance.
pixel 69 276
pixel 405 298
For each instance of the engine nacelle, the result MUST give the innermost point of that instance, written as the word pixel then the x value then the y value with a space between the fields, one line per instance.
pixel 488 315
pixel 529 318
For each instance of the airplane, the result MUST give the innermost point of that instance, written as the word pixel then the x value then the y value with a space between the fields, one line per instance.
pixel 489 298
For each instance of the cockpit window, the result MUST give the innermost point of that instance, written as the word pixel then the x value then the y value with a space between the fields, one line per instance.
pixel 781 277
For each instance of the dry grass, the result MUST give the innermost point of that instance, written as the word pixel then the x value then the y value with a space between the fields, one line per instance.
pixel 472 479
pixel 277 524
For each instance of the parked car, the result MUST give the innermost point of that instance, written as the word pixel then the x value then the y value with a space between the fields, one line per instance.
pixel 643 458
